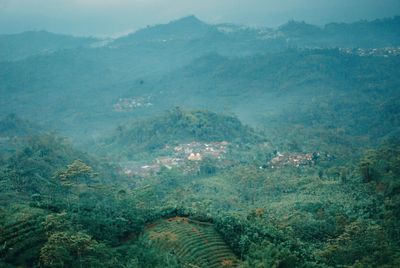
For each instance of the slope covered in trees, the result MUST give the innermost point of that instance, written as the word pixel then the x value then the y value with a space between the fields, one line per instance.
pixel 314 182
pixel 60 85
pixel 15 47
pixel 179 126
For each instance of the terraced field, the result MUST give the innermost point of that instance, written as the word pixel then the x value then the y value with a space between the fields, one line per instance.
pixel 19 239
pixel 196 244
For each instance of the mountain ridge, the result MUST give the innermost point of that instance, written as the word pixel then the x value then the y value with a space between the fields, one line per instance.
pixel 15 47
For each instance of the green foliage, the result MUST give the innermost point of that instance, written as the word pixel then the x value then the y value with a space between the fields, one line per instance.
pixel 366 168
pixel 144 254
pixel 108 219
pixel 208 167
pixel 192 241
pixel 56 222
pixel 361 241
pixel 70 249
pixel 262 245
pixel 76 172
pixel 21 234
pixel 382 166
pixel 34 161
pixel 275 256
pixel 178 126
pixel 343 210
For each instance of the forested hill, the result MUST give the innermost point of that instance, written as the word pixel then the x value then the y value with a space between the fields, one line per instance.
pixel 115 88
pixel 365 34
pixel 193 61
pixel 178 126
pixel 185 28
pixel 285 152
pixel 30 157
pixel 320 88
pixel 19 46
pixel 194 35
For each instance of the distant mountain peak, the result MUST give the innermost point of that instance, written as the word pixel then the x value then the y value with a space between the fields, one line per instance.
pixel 184 28
pixel 189 22
pixel 191 19
pixel 293 24
pixel 299 28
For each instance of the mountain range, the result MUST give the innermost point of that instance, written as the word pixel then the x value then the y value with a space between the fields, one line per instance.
pixel 364 34
pixel 93 84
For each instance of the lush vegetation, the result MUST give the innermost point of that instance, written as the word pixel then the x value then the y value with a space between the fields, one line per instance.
pixel 306 175
pixel 192 241
pixel 175 127
pixel 200 67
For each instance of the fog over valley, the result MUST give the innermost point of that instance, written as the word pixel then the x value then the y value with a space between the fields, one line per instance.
pixel 199 134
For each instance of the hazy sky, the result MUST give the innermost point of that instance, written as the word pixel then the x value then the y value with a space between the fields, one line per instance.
pixel 107 17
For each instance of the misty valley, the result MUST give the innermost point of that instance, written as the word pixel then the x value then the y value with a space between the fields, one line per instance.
pixel 190 144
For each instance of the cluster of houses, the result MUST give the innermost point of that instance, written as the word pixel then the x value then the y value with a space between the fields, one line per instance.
pixel 129 104
pixel 186 156
pixel 196 151
pixel 292 159
pixel 382 52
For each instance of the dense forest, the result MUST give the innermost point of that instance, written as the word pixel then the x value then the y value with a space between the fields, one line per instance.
pixel 198 145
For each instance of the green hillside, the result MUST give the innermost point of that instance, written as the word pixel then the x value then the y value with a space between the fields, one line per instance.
pixel 191 144
pixel 194 243
pixel 175 127
pixel 15 47
pixel 214 67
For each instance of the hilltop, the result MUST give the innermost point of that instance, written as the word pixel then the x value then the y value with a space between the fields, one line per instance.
pixel 364 34
pixel 179 126
pixel 185 28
